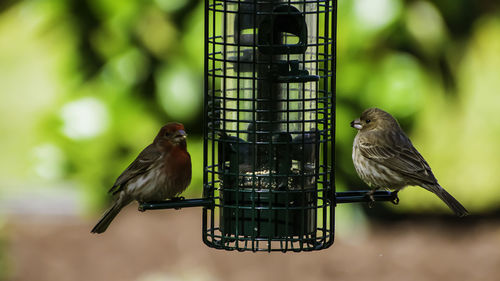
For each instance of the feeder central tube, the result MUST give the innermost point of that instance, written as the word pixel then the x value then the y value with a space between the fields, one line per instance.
pixel 272 106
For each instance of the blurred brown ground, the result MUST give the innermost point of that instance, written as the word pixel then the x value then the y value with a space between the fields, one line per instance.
pixel 167 245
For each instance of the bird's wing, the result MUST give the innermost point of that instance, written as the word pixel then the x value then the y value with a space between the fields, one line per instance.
pixel 140 165
pixel 400 156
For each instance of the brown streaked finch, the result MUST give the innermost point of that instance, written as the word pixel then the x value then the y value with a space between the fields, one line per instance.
pixel 161 171
pixel 384 157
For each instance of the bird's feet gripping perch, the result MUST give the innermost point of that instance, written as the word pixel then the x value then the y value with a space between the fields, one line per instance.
pixel 177 199
pixel 141 207
pixel 371 196
pixel 395 198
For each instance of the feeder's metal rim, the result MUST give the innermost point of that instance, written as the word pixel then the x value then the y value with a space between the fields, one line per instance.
pixel 340 198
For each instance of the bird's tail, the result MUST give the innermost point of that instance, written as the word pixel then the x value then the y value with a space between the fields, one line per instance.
pixel 108 217
pixel 452 203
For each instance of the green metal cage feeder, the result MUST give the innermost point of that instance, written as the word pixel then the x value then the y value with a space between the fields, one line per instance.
pixel 269 119
pixel 269 136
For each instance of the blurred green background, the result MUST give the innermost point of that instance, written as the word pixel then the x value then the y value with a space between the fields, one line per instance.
pixel 85 85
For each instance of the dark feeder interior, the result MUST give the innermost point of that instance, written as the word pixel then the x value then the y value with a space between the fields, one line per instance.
pixel 269 132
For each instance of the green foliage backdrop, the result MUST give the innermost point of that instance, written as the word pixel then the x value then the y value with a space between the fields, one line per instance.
pixel 85 85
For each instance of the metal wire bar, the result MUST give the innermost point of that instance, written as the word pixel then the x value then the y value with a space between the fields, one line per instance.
pixel 341 197
pixel 177 204
pixel 364 196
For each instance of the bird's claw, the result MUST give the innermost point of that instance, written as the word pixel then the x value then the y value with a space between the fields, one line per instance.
pixel 395 200
pixel 371 203
pixel 141 208
pixel 180 198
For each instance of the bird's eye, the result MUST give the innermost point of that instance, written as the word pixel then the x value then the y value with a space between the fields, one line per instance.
pixel 167 134
pixel 368 121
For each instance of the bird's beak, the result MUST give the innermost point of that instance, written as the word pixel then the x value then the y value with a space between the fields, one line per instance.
pixel 181 133
pixel 356 124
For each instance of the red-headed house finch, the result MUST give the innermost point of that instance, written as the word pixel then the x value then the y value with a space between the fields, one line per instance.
pixel 384 157
pixel 162 170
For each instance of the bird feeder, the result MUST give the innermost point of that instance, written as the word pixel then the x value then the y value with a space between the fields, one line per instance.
pixel 269 127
